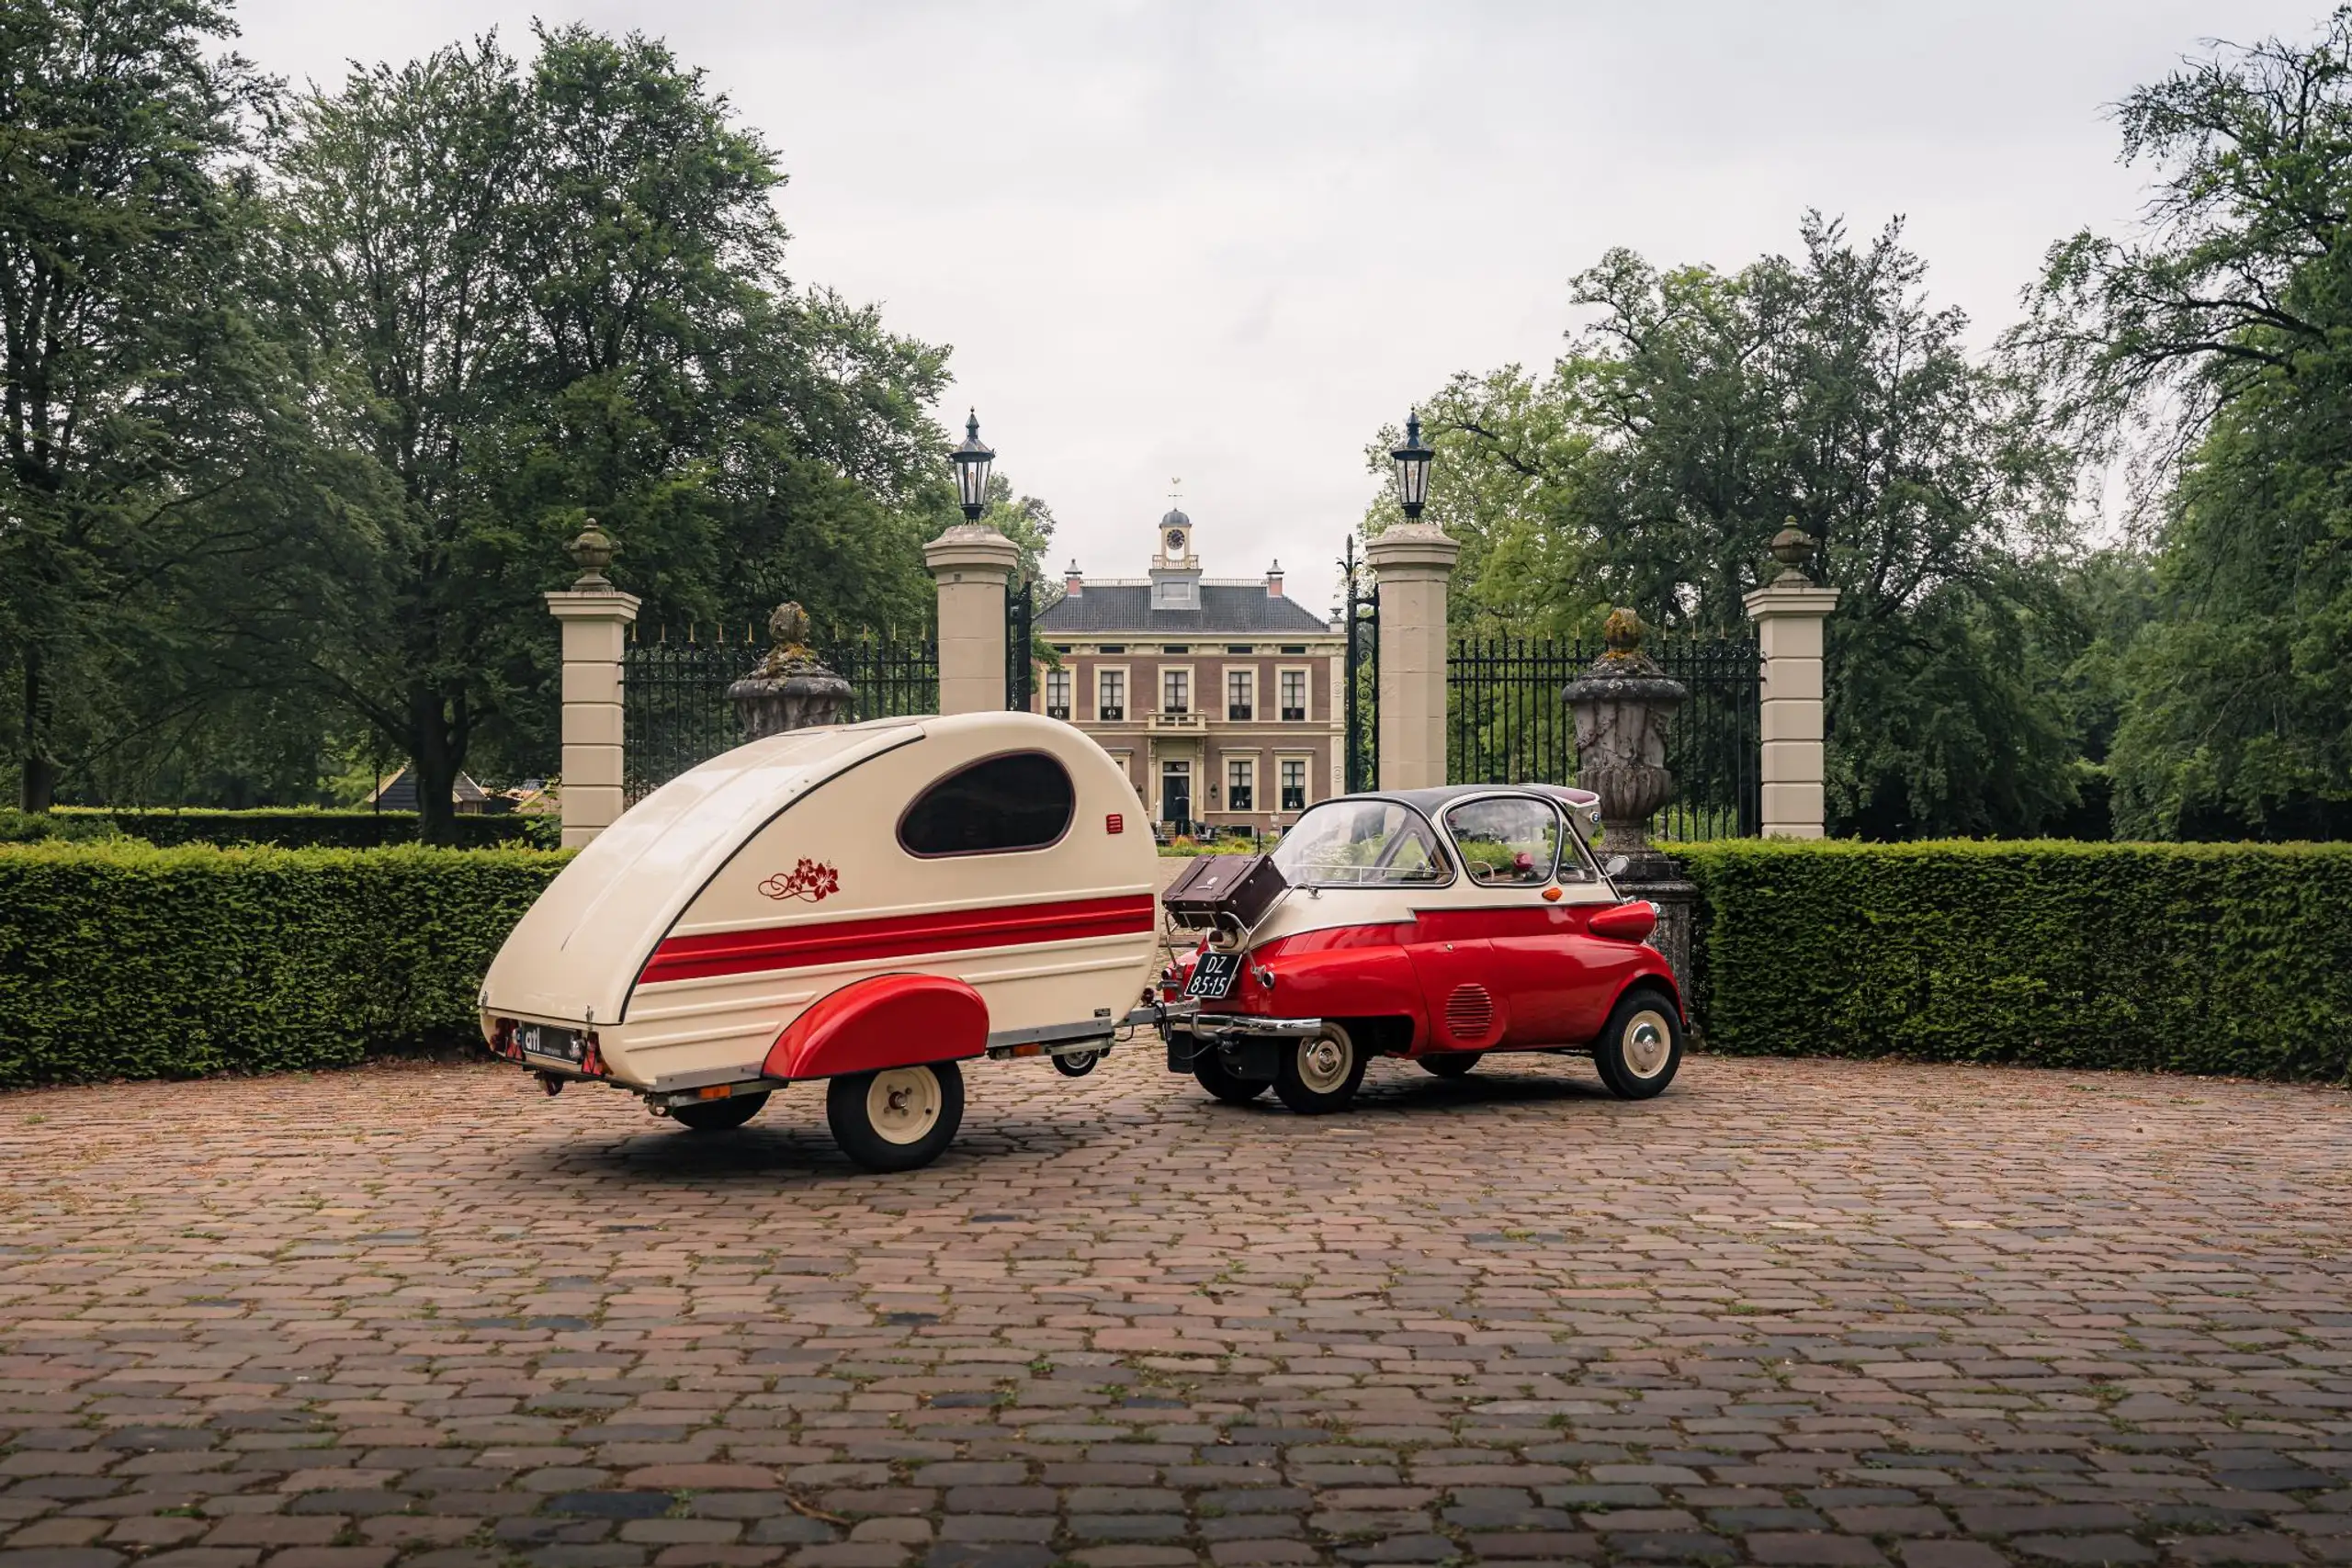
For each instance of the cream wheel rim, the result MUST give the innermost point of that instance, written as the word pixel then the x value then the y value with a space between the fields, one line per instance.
pixel 902 1104
pixel 1323 1061
pixel 1649 1041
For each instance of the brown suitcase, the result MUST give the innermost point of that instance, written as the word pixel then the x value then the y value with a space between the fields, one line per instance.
pixel 1227 891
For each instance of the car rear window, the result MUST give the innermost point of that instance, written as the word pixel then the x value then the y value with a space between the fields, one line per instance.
pixel 1024 800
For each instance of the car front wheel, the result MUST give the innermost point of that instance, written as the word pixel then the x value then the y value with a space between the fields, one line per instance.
pixel 1640 1047
pixel 1319 1074
pixel 898 1118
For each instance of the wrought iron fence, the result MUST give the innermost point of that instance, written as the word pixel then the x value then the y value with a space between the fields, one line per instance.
pixel 676 712
pixel 1360 622
pixel 887 680
pixel 1506 723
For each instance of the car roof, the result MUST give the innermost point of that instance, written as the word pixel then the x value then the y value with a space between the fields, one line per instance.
pixel 1437 798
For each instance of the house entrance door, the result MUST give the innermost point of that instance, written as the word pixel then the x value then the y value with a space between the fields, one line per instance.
pixel 1176 795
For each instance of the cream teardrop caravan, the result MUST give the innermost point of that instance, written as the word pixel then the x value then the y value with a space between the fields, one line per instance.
pixel 868 904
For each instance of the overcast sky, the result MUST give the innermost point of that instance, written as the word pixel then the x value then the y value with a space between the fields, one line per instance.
pixel 1226 242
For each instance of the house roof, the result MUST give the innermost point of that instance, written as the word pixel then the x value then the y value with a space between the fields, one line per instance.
pixel 1224 607
pixel 399 792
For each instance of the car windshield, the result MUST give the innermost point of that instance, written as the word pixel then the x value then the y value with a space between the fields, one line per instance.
pixel 1361 843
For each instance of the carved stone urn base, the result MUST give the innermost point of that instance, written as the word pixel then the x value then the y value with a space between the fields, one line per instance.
pixel 770 704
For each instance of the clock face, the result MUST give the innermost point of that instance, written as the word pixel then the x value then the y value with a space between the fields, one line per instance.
pixel 1175 539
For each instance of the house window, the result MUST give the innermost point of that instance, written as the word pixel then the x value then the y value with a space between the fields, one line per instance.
pixel 1240 774
pixel 1240 687
pixel 1294 696
pixel 1110 696
pixel 1176 691
pixel 1293 783
pixel 1057 693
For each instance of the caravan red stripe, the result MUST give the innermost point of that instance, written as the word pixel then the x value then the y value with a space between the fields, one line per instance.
pixel 897 936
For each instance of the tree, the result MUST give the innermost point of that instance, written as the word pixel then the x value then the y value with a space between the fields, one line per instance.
pixel 160 467
pixel 1699 414
pixel 2216 346
pixel 562 286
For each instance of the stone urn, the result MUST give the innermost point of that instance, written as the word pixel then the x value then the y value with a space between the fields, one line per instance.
pixel 592 552
pixel 1622 704
pixel 792 689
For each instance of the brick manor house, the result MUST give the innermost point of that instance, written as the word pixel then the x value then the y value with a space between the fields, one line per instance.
pixel 1220 697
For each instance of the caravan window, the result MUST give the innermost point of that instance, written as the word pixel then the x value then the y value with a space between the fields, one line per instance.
pixel 1023 800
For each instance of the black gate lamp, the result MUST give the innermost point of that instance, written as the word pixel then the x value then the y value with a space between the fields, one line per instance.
pixel 1412 468
pixel 972 460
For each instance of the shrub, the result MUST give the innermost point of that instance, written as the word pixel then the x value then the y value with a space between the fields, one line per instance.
pixel 2202 958
pixel 124 960
pixel 298 828
pixel 33 827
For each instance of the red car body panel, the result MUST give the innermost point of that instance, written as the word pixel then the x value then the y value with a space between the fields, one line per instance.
pixel 1547 980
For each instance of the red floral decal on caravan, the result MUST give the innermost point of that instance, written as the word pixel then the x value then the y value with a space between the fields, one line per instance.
pixel 812 880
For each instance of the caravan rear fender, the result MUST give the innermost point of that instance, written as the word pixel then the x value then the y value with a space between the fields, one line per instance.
pixel 889 1021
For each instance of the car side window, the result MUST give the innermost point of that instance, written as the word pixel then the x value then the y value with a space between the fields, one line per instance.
pixel 1507 841
pixel 1577 863
pixel 1021 801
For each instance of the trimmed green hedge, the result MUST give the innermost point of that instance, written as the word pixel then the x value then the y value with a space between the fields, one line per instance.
pixel 123 960
pixel 2198 958
pixel 302 828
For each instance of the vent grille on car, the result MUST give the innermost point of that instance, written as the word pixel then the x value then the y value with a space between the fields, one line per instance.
pixel 1469 1013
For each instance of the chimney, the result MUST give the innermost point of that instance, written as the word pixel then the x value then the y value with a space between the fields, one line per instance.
pixel 1073 580
pixel 1274 580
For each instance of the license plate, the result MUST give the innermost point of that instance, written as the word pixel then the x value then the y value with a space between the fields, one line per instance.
pixel 545 1040
pixel 1213 976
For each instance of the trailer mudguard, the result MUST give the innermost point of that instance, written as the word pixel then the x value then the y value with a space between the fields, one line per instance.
pixel 889 1021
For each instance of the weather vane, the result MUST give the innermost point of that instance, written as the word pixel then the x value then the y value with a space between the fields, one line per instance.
pixel 1176 491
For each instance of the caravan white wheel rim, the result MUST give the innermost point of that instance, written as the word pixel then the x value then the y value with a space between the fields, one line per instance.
pixel 902 1104
pixel 1649 1039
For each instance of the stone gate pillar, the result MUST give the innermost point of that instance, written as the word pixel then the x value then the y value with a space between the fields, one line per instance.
pixel 1788 613
pixel 595 618
pixel 1412 563
pixel 971 563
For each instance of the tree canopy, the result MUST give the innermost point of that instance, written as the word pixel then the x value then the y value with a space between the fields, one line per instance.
pixel 2216 345
pixel 306 392
pixel 1698 412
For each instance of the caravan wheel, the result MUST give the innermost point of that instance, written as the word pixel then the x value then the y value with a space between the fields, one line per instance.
pixel 898 1118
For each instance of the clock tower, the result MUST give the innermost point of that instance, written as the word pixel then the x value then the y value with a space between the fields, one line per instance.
pixel 1175 569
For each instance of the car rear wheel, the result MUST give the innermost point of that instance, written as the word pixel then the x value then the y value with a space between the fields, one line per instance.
pixel 1211 1075
pixel 1452 1065
pixel 718 1115
pixel 1319 1074
pixel 1640 1047
pixel 898 1118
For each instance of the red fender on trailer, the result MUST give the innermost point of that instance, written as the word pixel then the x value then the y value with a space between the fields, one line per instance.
pixel 889 1021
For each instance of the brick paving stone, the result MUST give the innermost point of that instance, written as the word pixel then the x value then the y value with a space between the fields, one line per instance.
pixel 422 1316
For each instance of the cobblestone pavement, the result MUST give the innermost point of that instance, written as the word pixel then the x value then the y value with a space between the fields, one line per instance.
pixel 1794 1312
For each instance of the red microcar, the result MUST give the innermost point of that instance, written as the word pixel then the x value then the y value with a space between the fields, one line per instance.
pixel 1434 924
